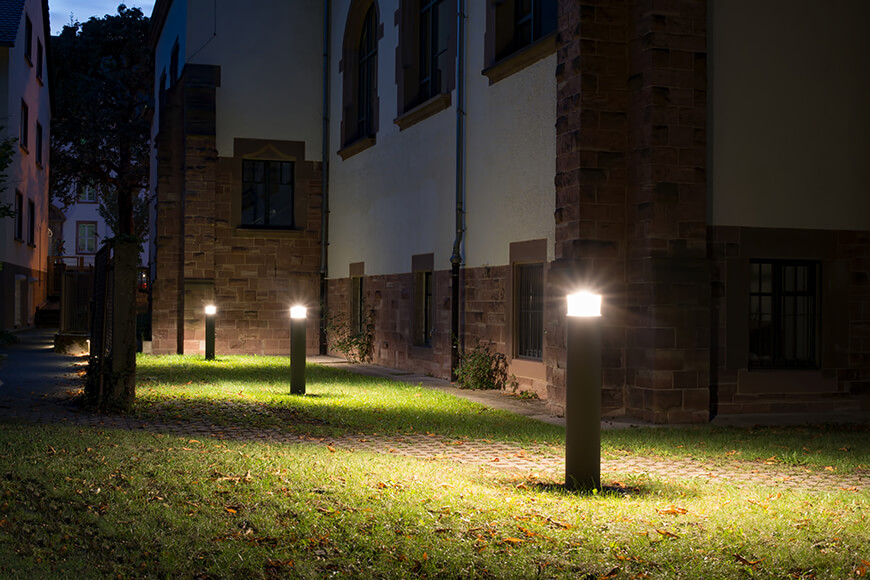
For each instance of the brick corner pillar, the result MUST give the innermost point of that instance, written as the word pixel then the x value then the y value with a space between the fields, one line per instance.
pixel 186 158
pixel 591 186
pixel 668 286
pixel 631 201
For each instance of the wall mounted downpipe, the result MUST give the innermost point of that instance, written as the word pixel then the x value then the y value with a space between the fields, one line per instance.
pixel 324 180
pixel 456 256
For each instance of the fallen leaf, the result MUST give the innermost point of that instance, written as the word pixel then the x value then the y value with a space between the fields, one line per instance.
pixel 829 468
pixel 230 510
pixel 673 510
pixel 668 534
pixel 513 540
pixel 746 562
pixel 331 448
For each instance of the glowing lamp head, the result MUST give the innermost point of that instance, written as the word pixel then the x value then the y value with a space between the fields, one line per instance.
pixel 298 312
pixel 211 310
pixel 584 304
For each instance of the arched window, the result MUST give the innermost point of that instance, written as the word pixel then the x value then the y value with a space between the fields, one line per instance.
pixel 359 67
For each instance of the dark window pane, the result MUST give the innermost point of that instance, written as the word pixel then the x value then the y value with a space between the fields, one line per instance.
pixel 530 310
pixel 267 193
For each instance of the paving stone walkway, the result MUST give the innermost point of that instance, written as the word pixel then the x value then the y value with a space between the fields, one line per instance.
pixel 43 394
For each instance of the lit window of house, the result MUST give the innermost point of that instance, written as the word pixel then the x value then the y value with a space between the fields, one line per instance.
pixel 783 314
pixel 88 194
pixel 267 194
pixel 86 237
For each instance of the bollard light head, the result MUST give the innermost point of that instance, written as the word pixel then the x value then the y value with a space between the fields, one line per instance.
pixel 298 312
pixel 584 304
pixel 211 310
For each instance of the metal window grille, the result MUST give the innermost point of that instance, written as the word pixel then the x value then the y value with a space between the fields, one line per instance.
pixel 783 314
pixel 530 310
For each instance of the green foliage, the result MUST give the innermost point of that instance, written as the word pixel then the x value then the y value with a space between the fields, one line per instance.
pixel 7 338
pixel 357 345
pixel 7 153
pixel 481 368
pixel 103 84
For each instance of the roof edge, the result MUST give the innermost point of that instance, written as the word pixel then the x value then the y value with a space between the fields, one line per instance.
pixel 158 19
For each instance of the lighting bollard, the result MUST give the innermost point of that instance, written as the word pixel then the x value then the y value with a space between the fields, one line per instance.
pixel 210 312
pixel 297 350
pixel 583 393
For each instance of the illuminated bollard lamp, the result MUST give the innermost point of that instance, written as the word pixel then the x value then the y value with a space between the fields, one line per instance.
pixel 297 350
pixel 210 312
pixel 583 393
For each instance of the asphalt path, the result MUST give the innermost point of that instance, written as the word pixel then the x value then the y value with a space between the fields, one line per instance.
pixel 33 376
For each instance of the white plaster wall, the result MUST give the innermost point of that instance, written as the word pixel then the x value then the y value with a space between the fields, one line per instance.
pixel 24 174
pixel 511 193
pixel 82 212
pixel 790 94
pixel 397 198
pixel 270 54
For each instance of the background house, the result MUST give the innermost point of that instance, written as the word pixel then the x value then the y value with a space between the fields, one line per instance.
pixel 700 165
pixel 236 172
pixel 25 115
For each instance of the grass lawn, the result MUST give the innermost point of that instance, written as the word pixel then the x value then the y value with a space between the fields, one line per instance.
pixel 96 503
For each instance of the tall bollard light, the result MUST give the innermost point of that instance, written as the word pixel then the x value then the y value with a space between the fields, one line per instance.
pixel 297 350
pixel 583 393
pixel 210 312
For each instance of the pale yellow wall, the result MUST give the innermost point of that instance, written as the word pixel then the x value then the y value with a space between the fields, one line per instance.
pixel 397 198
pixel 790 116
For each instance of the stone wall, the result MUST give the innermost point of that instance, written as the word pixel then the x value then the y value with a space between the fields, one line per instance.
pixel 253 276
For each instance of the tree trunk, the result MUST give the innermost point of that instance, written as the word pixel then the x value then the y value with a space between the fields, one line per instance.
pixel 120 379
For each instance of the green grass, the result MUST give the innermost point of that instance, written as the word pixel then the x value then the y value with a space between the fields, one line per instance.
pixel 84 502
pixel 87 503
pixel 250 390
pixel 840 448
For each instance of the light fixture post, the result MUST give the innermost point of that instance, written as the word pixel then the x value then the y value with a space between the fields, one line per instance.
pixel 210 312
pixel 297 350
pixel 583 393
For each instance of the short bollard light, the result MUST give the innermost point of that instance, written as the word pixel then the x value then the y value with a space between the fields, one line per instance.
pixel 297 350
pixel 583 393
pixel 210 312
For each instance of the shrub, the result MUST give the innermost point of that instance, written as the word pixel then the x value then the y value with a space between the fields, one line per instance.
pixel 480 368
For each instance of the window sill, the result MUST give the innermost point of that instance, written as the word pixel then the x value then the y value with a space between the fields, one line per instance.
pixel 357 146
pixel 528 368
pixel 423 111
pixel 523 58
pixel 249 232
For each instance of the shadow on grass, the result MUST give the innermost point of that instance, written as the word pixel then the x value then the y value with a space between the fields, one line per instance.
pixel 252 392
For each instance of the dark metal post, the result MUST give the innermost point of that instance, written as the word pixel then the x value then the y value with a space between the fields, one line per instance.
pixel 583 402
pixel 210 312
pixel 297 350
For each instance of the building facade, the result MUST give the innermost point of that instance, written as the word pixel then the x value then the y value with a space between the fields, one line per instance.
pixel 25 116
pixel 699 164
pixel 236 172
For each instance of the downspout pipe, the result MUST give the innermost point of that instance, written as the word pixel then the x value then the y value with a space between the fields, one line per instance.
pixel 324 179
pixel 456 256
